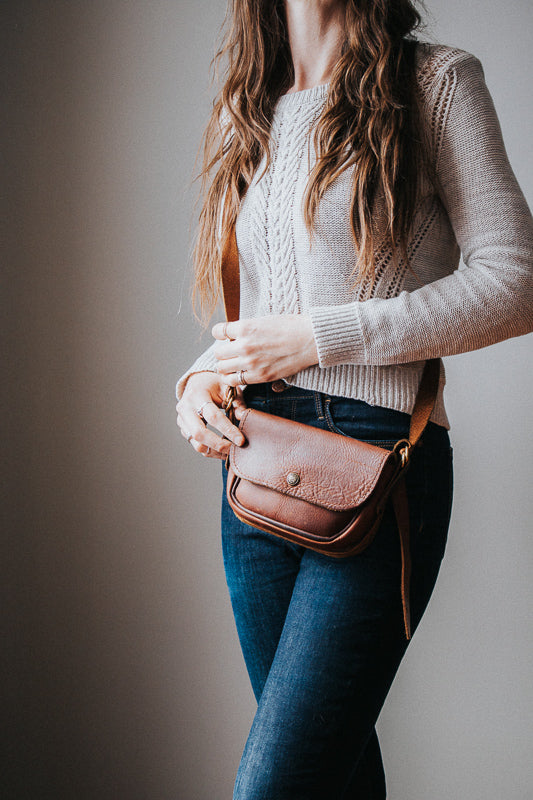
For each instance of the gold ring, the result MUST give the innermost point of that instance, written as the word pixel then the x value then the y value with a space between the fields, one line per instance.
pixel 242 379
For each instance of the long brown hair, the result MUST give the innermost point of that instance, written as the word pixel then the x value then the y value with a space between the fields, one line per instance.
pixel 369 123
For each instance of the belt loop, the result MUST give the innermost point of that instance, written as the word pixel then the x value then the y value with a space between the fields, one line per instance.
pixel 319 405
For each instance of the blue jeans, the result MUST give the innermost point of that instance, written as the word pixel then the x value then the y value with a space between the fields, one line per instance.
pixel 323 638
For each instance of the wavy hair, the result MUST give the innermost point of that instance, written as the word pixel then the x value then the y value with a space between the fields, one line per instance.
pixel 369 123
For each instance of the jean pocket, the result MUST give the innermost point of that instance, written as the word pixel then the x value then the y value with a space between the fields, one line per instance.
pixel 372 424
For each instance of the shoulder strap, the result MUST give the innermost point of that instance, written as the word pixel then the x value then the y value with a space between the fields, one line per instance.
pixel 426 398
pixel 231 277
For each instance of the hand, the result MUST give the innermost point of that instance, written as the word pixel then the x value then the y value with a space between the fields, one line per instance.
pixel 201 403
pixel 265 348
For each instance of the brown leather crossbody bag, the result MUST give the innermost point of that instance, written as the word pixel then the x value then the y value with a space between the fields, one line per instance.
pixel 318 489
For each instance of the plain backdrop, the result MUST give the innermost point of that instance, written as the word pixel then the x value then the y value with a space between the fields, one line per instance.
pixel 121 672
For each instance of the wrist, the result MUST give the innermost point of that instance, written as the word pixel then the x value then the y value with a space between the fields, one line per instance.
pixel 183 382
pixel 309 346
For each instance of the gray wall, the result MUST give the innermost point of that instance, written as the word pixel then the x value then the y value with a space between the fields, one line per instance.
pixel 122 674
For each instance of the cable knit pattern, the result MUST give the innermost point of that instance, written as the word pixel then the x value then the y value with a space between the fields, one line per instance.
pixel 372 340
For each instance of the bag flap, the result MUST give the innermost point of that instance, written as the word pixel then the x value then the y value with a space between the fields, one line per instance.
pixel 327 469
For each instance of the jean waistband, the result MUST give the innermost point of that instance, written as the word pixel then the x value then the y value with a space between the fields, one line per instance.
pixel 276 390
pixel 339 414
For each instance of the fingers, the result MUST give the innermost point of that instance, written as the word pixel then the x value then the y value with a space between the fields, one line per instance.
pixel 196 410
pixel 228 349
pixel 235 379
pixel 225 330
pixel 239 411
pixel 239 406
pixel 214 416
pixel 245 377
pixel 203 439
pixel 208 452
pixel 199 437
pixel 229 365
pixel 240 352
pixel 264 348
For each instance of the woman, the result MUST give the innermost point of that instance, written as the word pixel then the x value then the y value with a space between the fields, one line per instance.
pixel 358 165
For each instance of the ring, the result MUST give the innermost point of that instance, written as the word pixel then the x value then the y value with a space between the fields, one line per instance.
pixel 208 451
pixel 189 437
pixel 199 410
pixel 242 379
pixel 225 331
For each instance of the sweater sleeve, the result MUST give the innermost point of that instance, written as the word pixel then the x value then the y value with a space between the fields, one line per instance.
pixel 491 298
pixel 204 363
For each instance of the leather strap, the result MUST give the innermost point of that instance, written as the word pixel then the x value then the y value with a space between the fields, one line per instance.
pixel 425 399
pixel 231 280
pixel 423 408
pixel 401 510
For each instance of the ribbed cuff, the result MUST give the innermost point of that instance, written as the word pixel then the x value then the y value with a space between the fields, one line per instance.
pixel 338 334
pixel 205 363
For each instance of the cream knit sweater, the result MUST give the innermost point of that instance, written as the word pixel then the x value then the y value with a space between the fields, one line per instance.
pixel 372 341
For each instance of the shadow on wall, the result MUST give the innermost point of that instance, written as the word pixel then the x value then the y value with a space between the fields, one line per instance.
pixel 113 649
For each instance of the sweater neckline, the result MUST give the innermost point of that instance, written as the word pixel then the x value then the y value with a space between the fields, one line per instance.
pixel 305 96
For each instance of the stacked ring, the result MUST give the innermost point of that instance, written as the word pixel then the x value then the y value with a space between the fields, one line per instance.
pixel 242 379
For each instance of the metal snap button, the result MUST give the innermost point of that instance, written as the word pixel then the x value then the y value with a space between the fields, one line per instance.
pixel 293 479
pixel 279 386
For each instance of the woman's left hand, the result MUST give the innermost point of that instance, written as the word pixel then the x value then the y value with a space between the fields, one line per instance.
pixel 265 348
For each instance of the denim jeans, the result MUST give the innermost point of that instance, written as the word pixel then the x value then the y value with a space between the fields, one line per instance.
pixel 322 637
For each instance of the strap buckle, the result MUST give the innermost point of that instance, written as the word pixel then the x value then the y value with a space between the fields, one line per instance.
pixel 403 449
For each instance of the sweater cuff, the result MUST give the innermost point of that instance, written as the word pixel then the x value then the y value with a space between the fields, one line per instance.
pixel 338 334
pixel 205 363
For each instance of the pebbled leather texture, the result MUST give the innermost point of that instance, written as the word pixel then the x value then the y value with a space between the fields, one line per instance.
pixel 342 489
pixel 335 472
